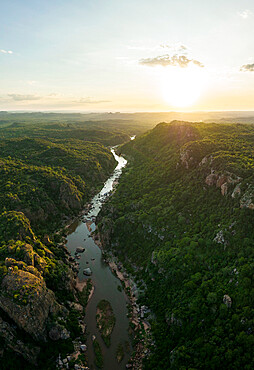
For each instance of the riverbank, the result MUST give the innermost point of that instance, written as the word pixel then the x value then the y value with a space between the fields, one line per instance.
pixel 78 233
pixel 140 327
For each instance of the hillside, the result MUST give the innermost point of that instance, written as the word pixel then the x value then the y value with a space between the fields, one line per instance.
pixel 182 223
pixel 43 183
pixel 47 180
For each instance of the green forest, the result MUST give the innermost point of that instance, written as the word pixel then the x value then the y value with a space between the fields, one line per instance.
pixel 48 172
pixel 182 223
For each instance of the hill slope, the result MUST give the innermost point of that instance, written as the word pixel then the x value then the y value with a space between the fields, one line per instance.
pixel 182 223
pixel 41 184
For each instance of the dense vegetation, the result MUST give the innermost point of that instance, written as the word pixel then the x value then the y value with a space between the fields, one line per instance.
pixel 105 320
pixel 104 128
pixel 45 179
pixel 98 360
pixel 182 222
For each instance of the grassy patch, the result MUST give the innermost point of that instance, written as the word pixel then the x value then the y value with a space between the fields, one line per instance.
pixel 105 320
pixel 98 354
pixel 119 353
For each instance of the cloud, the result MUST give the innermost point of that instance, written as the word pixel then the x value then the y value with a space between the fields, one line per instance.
pixel 6 51
pixel 167 60
pixel 176 47
pixel 89 100
pixel 247 68
pixel 245 13
pixel 21 97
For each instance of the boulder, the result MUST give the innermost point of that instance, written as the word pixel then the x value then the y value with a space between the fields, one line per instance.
pixel 87 271
pixel 80 250
pixel 83 347
pixel 227 301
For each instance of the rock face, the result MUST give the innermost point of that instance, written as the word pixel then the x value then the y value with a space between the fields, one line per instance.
pixel 27 252
pixel 224 188
pixel 25 298
pixel 186 158
pixel 9 334
pixel 11 262
pixel 237 191
pixel 222 181
pixel 247 200
pixel 211 179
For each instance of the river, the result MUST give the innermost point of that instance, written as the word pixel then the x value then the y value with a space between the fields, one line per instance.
pixel 104 282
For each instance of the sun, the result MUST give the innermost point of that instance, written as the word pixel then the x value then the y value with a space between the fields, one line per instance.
pixel 182 87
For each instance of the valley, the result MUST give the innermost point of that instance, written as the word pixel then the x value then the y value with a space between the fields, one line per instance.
pixel 139 256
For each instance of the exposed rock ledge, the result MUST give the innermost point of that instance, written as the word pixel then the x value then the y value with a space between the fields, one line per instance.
pixel 26 299
pixel 223 181
pixel 29 352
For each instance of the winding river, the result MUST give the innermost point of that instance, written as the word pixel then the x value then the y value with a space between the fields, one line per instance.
pixel 104 282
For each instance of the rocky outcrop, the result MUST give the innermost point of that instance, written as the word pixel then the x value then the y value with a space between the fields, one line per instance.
pixel 106 228
pixel 25 251
pixel 10 336
pixel 58 332
pixel 237 191
pixel 247 200
pixel 25 298
pixel 227 301
pixel 224 188
pixel 222 180
pixel 219 238
pixel 186 158
pixel 11 262
pixel 208 159
pixel 211 179
pixel 17 226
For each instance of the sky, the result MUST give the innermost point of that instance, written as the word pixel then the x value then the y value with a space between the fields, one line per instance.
pixel 126 55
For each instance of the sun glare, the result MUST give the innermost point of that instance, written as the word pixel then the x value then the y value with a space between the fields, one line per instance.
pixel 182 87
